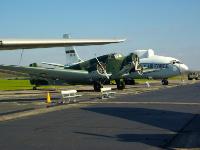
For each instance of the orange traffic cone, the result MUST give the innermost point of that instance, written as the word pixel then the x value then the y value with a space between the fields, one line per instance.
pixel 48 98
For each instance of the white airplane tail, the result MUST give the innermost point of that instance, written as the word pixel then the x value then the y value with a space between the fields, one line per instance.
pixel 71 54
pixel 144 53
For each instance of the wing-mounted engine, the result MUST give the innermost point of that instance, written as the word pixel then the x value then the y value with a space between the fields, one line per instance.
pixel 99 73
pixel 137 66
pixel 130 64
pixel 40 79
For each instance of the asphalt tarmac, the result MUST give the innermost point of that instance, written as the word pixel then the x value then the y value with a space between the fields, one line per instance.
pixel 163 119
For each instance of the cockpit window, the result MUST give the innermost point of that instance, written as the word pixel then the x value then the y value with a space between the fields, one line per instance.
pixel 176 62
pixel 118 55
pixel 173 61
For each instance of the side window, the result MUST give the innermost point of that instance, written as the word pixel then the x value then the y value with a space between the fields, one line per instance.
pixel 151 66
pixel 156 66
pixel 145 65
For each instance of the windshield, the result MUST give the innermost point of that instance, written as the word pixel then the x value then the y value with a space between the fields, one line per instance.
pixel 118 56
pixel 176 62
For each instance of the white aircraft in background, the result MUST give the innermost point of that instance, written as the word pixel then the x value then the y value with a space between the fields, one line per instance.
pixel 162 67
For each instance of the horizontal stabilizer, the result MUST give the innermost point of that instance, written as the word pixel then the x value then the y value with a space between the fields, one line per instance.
pixel 53 64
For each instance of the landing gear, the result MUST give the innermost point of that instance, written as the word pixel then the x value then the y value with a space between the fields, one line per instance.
pixel 120 84
pixel 35 88
pixel 165 82
pixel 98 86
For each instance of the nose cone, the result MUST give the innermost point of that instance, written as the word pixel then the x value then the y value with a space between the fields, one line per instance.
pixel 184 68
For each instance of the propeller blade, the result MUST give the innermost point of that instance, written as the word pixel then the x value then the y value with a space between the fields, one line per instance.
pixel 104 71
pixel 138 66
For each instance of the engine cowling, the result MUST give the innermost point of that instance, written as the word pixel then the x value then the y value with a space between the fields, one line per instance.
pixel 39 82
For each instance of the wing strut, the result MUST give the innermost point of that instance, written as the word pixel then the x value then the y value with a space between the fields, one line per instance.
pixel 21 56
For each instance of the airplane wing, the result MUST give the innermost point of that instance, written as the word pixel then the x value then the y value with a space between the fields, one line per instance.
pixel 69 75
pixel 151 70
pixel 12 44
pixel 36 70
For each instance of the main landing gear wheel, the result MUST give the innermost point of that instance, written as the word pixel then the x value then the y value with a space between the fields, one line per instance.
pixel 165 82
pixel 97 86
pixel 35 88
pixel 120 84
pixel 130 82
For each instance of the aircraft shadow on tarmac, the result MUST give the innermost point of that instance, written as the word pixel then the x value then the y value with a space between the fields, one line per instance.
pixel 158 140
pixel 170 120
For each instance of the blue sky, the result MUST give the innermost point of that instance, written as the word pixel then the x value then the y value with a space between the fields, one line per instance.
pixel 170 27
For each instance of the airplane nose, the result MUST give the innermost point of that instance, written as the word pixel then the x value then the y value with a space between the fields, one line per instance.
pixel 184 68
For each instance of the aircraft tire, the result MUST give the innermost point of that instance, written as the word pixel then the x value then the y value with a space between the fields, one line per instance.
pixel 120 84
pixel 130 82
pixel 165 82
pixel 97 86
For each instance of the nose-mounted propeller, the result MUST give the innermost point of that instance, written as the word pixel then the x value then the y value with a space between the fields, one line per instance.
pixel 136 61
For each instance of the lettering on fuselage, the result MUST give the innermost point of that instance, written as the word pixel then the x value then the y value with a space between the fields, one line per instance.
pixel 154 66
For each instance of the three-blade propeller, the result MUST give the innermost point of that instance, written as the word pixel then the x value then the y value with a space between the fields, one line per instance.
pixel 101 69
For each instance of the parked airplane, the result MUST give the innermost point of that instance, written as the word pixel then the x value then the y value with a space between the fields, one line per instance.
pixel 96 71
pixel 155 66
pixel 162 67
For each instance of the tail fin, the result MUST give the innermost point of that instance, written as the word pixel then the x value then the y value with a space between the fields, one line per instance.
pixel 71 54
pixel 144 53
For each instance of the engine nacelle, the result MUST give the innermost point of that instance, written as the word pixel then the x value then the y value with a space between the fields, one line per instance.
pixel 39 82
